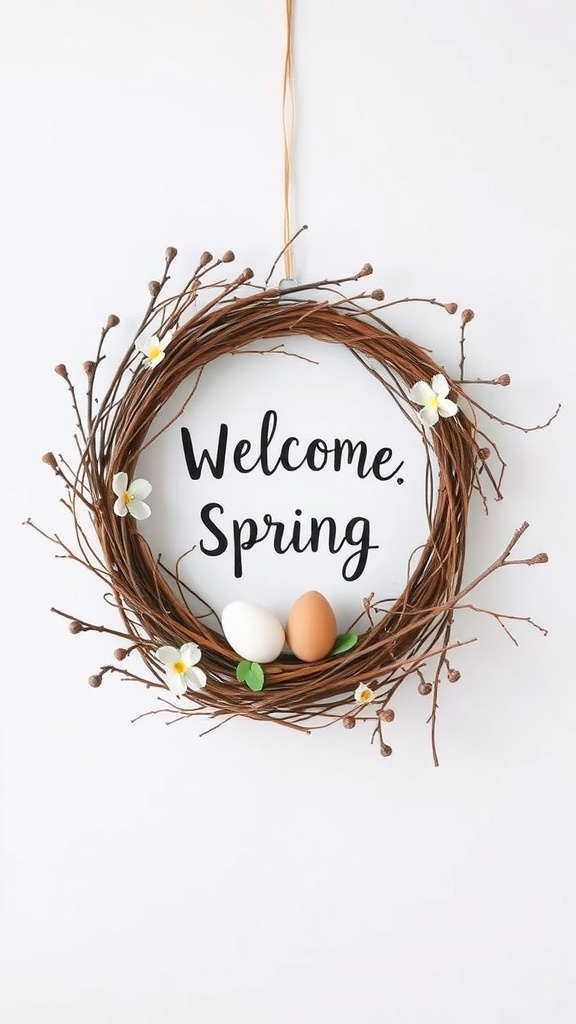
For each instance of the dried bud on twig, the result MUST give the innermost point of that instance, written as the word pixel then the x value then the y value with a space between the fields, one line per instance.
pixel 453 675
pixel 154 288
pixel 75 627
pixel 503 379
pixel 61 371
pixel 377 295
pixel 348 722
pixel 386 715
pixel 205 258
pixel 367 269
pixel 89 367
pixel 120 653
pixel 245 275
pixel 483 453
pixel 171 254
pixel 112 321
pixel 50 459
pixel 385 750
pixel 451 307
pixel 538 559
pixel 425 689
pixel 228 256
pixel 95 681
pixel 467 316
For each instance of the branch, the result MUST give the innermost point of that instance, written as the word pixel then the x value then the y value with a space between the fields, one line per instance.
pixel 500 616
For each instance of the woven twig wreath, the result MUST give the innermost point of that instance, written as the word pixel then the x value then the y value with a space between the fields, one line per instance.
pixel 203 322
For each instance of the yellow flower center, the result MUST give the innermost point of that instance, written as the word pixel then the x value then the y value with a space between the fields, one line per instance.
pixel 366 695
pixel 153 352
pixel 179 667
pixel 126 497
pixel 433 402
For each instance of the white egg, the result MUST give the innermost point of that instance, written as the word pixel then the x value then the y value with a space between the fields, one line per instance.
pixel 253 632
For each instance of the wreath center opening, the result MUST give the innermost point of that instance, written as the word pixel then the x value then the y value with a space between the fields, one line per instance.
pixel 289 469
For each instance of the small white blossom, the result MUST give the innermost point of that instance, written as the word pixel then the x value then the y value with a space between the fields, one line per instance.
pixel 179 668
pixel 434 400
pixel 154 349
pixel 130 496
pixel 363 694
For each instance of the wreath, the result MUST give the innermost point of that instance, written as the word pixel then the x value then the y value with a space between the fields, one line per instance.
pixel 188 660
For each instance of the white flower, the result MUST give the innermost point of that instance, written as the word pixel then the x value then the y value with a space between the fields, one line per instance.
pixel 179 667
pixel 129 496
pixel 154 349
pixel 363 694
pixel 434 400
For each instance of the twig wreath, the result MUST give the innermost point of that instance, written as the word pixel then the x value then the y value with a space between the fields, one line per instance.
pixel 409 637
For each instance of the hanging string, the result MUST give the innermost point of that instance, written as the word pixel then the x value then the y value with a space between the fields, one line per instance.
pixel 288 132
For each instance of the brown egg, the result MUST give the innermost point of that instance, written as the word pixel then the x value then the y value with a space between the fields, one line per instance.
pixel 311 629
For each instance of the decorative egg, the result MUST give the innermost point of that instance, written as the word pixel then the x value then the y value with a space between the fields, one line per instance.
pixel 253 632
pixel 311 629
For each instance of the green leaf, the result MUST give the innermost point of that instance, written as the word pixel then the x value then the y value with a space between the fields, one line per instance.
pixel 344 642
pixel 255 680
pixel 251 673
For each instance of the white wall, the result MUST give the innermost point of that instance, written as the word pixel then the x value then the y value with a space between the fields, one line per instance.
pixel 256 876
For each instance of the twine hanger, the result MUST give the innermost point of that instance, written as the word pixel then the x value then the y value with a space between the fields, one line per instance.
pixel 288 137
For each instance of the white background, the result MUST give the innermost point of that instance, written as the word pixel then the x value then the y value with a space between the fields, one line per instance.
pixel 257 876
